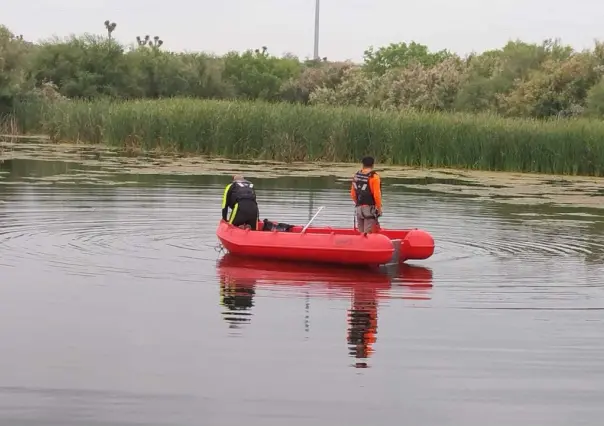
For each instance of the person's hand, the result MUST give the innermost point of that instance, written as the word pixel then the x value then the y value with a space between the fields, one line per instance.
pixel 378 211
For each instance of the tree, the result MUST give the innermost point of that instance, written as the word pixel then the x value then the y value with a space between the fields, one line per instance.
pixel 258 75
pixel 87 66
pixel 155 43
pixel 400 55
pixel 13 56
pixel 110 27
pixel 558 87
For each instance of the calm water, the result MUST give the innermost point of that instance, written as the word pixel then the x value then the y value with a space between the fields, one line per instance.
pixel 117 309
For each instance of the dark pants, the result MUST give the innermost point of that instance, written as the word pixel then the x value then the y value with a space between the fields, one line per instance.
pixel 245 212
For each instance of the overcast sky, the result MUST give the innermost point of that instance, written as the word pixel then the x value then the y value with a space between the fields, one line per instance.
pixel 347 26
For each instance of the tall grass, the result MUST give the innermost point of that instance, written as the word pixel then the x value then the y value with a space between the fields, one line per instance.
pixel 289 132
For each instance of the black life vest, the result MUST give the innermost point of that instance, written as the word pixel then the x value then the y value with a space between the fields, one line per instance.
pixel 362 189
pixel 242 190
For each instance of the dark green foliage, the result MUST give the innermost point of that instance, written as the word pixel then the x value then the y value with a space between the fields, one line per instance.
pixel 408 104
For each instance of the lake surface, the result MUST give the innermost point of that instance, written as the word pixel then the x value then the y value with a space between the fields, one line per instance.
pixel 118 309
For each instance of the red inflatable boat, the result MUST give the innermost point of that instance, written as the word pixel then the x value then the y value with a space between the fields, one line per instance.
pixel 328 245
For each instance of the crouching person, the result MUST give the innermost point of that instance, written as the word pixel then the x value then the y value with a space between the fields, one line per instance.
pixel 240 197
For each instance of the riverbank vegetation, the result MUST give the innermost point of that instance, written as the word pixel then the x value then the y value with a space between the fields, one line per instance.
pixel 524 107
pixel 289 132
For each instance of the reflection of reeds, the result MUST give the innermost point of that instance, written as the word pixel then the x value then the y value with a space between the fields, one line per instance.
pixel 8 128
pixel 301 133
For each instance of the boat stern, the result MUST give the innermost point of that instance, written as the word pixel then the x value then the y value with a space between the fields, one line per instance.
pixel 417 245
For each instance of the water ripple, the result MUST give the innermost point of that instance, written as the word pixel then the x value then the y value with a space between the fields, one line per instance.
pixel 114 291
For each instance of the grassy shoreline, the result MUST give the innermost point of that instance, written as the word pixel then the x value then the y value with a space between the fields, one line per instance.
pixel 294 133
pixel 77 164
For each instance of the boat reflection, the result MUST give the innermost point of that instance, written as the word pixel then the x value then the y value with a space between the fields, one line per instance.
pixel 240 278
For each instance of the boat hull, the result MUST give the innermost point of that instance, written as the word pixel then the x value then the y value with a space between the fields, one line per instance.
pixel 344 246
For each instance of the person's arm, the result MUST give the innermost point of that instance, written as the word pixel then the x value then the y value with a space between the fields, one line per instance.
pixel 376 189
pixel 353 193
pixel 225 200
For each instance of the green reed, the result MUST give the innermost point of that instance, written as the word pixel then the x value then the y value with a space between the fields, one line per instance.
pixel 290 132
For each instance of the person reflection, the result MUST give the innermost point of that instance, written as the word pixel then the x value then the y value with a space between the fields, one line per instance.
pixel 411 282
pixel 362 321
pixel 237 297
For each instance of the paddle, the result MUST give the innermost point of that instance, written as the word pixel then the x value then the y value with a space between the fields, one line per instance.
pixel 313 218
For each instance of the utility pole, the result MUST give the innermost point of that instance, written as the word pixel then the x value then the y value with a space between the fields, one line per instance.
pixel 317 4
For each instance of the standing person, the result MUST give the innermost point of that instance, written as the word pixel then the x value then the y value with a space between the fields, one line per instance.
pixel 240 197
pixel 366 192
